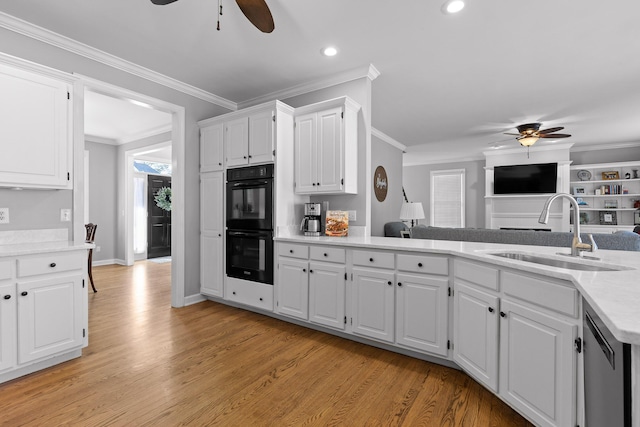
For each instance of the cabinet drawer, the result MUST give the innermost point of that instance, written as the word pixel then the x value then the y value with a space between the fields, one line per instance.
pixel 423 264
pixel 320 253
pixel 51 263
pixel 255 294
pixel 293 251
pixel 477 273
pixel 374 259
pixel 5 270
pixel 552 295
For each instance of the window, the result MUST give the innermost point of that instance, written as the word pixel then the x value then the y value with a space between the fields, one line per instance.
pixel 447 198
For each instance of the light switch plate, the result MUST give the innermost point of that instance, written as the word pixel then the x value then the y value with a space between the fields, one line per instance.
pixel 352 215
pixel 65 215
pixel 4 215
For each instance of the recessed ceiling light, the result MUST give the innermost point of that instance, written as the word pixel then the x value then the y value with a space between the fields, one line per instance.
pixel 452 6
pixel 330 51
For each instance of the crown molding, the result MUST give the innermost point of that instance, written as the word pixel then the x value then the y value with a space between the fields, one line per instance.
pixel 100 140
pixel 615 146
pixel 386 138
pixel 28 29
pixel 370 72
pixel 515 150
pixel 413 159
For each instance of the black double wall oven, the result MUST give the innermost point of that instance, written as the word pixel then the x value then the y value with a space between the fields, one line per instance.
pixel 249 219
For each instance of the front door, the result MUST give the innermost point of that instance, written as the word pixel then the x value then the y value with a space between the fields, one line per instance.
pixel 158 219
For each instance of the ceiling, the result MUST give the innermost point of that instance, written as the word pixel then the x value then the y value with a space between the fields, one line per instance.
pixel 449 85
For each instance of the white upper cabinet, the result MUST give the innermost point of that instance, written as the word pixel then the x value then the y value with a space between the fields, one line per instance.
pixel 249 140
pixel 326 147
pixel 212 148
pixel 35 136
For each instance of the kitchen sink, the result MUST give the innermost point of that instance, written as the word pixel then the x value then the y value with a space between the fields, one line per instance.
pixel 559 263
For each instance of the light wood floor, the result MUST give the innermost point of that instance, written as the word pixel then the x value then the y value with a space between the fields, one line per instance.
pixel 209 364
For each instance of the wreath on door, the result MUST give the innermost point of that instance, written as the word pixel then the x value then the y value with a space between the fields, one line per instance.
pixel 163 198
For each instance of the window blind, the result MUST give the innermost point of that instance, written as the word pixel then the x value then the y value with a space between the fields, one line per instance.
pixel 447 198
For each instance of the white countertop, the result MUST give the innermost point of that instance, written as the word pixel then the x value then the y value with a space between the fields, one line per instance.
pixel 41 247
pixel 614 295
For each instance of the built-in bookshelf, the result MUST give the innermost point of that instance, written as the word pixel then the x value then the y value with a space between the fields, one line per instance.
pixel 608 194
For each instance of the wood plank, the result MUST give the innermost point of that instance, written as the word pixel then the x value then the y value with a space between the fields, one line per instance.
pixel 210 364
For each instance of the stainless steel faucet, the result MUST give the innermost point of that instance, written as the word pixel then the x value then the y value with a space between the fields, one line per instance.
pixel 577 247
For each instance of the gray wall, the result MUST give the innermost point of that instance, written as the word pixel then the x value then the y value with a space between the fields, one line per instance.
pixel 360 91
pixel 605 156
pixel 417 185
pixel 35 209
pixel 103 197
pixel 195 110
pixel 389 157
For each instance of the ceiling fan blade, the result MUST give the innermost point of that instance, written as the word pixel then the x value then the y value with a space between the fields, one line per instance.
pixel 162 2
pixel 554 135
pixel 258 13
pixel 550 130
pixel 514 134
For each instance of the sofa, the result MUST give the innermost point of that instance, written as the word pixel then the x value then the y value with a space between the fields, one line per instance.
pixel 620 240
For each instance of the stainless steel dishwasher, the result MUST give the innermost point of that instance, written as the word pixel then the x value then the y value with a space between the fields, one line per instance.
pixel 607 374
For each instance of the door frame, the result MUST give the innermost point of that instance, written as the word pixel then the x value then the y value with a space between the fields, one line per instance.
pixel 178 167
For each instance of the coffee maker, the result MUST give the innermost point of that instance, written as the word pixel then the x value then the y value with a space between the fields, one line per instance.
pixel 312 222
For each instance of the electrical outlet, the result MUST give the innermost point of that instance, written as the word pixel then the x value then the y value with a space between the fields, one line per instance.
pixel 98 248
pixel 4 215
pixel 65 215
pixel 352 215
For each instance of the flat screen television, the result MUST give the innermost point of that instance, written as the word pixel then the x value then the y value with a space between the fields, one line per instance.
pixel 525 179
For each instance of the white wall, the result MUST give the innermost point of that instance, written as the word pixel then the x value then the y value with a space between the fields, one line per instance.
pixel 416 181
pixel 389 157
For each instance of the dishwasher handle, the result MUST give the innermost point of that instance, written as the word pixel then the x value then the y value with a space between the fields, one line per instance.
pixel 602 341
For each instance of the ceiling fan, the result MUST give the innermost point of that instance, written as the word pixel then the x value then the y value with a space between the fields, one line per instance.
pixel 256 11
pixel 529 133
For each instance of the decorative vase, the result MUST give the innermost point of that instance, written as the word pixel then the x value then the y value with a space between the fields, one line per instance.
pixel 635 174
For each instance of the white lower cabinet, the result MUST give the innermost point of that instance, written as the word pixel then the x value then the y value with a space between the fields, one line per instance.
pixel 49 316
pixel 8 327
pixel 475 334
pixel 43 311
pixel 254 294
pixel 212 265
pixel 327 291
pixel 516 336
pixel 292 291
pixel 373 307
pixel 538 364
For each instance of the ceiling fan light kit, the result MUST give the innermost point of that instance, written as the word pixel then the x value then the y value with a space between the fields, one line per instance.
pixel 452 6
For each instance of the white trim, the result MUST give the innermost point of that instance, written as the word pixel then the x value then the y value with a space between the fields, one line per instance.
pixel 370 72
pixel 108 262
pixel 28 29
pixel 438 161
pixel 386 138
pixel 146 134
pixel 100 140
pixel 608 146
pixel 194 299
pixel 548 147
pixel 178 166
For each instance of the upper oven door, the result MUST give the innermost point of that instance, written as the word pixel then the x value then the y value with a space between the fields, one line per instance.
pixel 250 204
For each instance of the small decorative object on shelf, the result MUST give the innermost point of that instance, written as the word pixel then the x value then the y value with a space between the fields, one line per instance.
pixel 584 218
pixel 635 173
pixel 627 175
pixel 581 201
pixel 610 175
pixel 611 204
pixel 579 190
pixel 584 175
pixel 608 218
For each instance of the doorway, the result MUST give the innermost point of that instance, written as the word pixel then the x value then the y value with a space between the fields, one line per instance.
pixel 158 216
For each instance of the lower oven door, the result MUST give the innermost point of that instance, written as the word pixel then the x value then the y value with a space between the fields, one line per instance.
pixel 250 255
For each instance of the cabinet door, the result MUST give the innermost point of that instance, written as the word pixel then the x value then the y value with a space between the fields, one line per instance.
pixel 421 312
pixel 475 334
pixel 373 305
pixel 261 137
pixel 330 150
pixel 212 148
pixel 212 203
pixel 305 162
pixel 49 317
pixel 211 265
pixel 327 294
pixel 35 137
pixel 8 339
pixel 292 288
pixel 237 141
pixel 538 365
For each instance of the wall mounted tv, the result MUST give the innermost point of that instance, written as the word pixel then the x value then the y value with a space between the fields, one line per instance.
pixel 537 178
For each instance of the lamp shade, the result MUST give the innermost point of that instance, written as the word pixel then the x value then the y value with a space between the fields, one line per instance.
pixel 411 211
